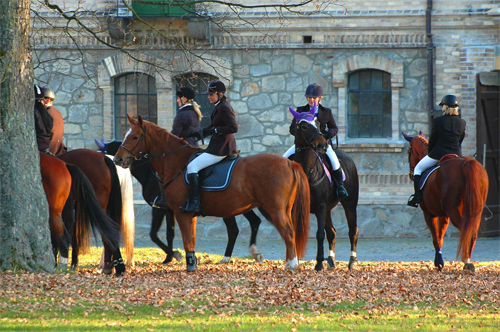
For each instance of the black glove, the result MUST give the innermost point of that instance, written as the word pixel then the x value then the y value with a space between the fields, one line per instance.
pixel 208 131
pixel 325 134
pixel 195 134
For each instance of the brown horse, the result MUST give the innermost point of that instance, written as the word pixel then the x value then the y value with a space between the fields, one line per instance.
pixel 264 180
pixel 455 192
pixel 102 174
pixel 62 183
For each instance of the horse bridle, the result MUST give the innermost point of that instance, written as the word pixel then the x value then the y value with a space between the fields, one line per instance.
pixel 310 145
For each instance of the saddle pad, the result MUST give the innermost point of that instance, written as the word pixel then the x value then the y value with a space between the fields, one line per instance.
pixel 216 177
pixel 426 174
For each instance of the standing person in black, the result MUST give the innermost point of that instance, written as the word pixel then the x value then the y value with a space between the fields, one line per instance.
pixel 43 122
pixel 447 134
pixel 223 126
pixel 186 121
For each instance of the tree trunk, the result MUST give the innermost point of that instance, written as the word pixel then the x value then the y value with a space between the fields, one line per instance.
pixel 24 230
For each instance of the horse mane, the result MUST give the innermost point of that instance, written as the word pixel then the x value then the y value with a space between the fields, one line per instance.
pixel 162 133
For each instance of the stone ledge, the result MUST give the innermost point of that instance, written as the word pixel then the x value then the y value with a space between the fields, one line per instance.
pixel 372 147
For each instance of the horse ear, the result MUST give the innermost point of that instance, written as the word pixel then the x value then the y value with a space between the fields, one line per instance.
pixel 103 141
pixel 139 118
pixel 407 137
pixel 99 144
pixel 295 114
pixel 313 109
pixel 130 119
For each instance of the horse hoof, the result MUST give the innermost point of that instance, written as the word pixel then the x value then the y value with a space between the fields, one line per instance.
pixel 469 267
pixel 319 266
pixel 292 265
pixel 177 255
pixel 107 270
pixel 167 260
pixel 331 263
pixel 352 262
pixel 259 258
pixel 224 260
pixel 191 262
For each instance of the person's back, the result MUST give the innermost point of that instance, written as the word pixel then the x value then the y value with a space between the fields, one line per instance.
pixel 43 122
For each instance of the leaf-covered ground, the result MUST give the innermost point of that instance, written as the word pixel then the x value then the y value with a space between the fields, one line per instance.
pixel 367 294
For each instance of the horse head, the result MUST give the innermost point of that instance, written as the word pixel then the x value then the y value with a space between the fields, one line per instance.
pixel 307 133
pixel 416 150
pixel 134 145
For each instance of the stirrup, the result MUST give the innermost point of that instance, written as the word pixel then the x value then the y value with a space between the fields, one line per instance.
pixel 191 207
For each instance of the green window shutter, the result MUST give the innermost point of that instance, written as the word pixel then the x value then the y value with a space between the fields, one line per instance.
pixel 145 10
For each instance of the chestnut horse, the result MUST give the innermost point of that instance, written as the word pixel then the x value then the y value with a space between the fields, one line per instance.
pixel 102 173
pixel 455 192
pixel 143 171
pixel 62 182
pixel 263 180
pixel 309 145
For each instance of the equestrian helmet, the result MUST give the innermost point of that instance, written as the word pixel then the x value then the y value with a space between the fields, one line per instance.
pixel 449 100
pixel 38 92
pixel 314 90
pixel 185 92
pixel 48 93
pixel 216 86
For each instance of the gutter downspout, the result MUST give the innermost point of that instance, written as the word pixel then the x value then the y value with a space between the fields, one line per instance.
pixel 430 62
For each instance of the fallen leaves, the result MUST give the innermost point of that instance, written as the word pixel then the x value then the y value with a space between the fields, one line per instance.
pixel 242 286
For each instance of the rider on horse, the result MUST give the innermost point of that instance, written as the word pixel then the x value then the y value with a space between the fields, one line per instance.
pixel 56 141
pixel 43 122
pixel 314 94
pixel 447 134
pixel 186 121
pixel 223 126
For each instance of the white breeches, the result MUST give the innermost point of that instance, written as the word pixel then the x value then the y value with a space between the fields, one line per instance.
pixel 425 163
pixel 329 152
pixel 202 161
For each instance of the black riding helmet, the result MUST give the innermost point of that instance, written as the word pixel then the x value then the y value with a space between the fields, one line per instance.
pixel 314 91
pixel 39 94
pixel 48 93
pixel 216 86
pixel 185 92
pixel 449 100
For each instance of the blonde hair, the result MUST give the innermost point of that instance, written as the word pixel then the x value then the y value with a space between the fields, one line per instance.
pixel 196 108
pixel 447 110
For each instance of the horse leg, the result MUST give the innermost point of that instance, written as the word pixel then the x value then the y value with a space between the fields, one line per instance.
pixel 254 226
pixel 156 221
pixel 187 225
pixel 118 263
pixel 76 249
pixel 468 266
pixel 352 223
pixel 283 225
pixel 437 231
pixel 320 237
pixel 331 235
pixel 169 214
pixel 108 263
pixel 232 234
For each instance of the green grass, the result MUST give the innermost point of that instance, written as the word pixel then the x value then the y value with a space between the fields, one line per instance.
pixel 244 296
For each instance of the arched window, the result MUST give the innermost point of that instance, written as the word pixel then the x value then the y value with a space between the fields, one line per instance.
pixel 135 93
pixel 198 82
pixel 369 108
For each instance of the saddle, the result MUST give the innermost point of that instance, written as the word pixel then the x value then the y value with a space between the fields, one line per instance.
pixel 431 170
pixel 216 177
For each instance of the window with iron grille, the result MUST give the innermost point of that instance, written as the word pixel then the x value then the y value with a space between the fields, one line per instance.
pixel 369 104
pixel 199 83
pixel 135 94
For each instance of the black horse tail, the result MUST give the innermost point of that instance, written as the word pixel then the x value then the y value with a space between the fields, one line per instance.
pixel 301 209
pixel 115 197
pixel 89 213
pixel 476 191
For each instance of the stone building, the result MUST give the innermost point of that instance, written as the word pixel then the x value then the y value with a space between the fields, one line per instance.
pixel 380 73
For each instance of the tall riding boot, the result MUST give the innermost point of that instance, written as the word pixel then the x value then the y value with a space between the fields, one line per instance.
pixel 417 196
pixel 193 202
pixel 337 176
pixel 161 201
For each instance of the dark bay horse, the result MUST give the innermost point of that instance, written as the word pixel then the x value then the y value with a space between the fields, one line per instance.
pixel 64 184
pixel 144 172
pixel 263 180
pixel 309 145
pixel 103 176
pixel 455 192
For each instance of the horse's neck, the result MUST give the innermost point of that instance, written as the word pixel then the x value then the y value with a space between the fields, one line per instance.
pixel 307 159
